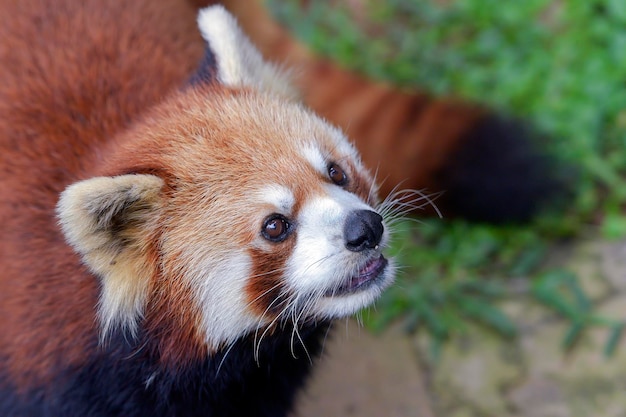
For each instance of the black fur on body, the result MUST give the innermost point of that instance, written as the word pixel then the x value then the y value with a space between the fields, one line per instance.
pixel 125 379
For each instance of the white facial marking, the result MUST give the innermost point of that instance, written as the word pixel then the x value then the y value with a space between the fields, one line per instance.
pixel 349 304
pixel 312 154
pixel 320 245
pixel 344 147
pixel 220 289
pixel 321 263
pixel 279 196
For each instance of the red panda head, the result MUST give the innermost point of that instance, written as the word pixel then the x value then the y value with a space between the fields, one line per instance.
pixel 229 208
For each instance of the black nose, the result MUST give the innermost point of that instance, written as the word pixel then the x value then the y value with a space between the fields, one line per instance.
pixel 363 230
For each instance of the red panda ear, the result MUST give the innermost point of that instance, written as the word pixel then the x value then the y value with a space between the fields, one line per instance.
pixel 110 222
pixel 234 60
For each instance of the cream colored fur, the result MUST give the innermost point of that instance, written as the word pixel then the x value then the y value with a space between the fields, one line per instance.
pixel 88 212
pixel 239 63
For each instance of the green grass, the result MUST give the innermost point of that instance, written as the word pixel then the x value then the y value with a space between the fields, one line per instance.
pixel 561 65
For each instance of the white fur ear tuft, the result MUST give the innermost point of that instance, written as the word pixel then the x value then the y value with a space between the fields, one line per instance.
pixel 110 221
pixel 239 63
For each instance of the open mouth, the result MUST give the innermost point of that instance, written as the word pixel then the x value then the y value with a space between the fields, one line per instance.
pixel 367 276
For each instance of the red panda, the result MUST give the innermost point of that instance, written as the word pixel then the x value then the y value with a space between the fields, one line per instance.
pixel 176 239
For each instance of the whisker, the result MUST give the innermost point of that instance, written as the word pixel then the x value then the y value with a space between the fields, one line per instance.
pixel 401 202
pixel 405 207
pixel 137 351
pixel 273 271
pixel 407 196
pixel 257 298
pixel 295 321
pixel 257 342
pixel 219 367
pixel 319 261
pixel 325 339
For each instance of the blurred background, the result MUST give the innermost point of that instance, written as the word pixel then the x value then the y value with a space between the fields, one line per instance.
pixel 486 320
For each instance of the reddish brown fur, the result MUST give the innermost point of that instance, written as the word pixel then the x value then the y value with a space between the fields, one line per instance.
pixel 174 323
pixel 362 187
pixel 266 288
pixel 50 103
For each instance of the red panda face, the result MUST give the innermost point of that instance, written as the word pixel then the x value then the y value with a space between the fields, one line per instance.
pixel 271 218
pixel 255 211
pixel 228 209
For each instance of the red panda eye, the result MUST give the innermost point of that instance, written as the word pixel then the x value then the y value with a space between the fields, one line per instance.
pixel 337 175
pixel 276 228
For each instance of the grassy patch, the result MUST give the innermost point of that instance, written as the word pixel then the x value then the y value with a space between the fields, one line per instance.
pixel 558 64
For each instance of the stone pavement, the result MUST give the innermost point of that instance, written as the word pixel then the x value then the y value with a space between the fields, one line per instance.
pixel 478 374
